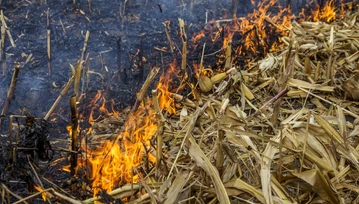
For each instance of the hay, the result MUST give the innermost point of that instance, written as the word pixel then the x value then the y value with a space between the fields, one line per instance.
pixel 241 143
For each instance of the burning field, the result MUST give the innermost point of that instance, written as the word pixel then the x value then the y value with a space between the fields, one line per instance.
pixel 193 101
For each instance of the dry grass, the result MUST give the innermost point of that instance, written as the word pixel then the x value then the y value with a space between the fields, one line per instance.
pixel 239 143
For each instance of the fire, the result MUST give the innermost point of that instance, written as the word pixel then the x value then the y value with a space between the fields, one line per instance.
pixel 327 13
pixel 197 37
pixel 113 162
pixel 94 105
pixel 166 102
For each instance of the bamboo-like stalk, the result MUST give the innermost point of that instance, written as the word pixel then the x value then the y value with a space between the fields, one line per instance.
pixel 140 61
pixel 56 103
pixel 268 103
pixel 77 75
pixel 10 92
pixel 220 155
pixel 235 7
pixel 191 7
pixel 90 6
pixel 167 29
pixel 121 71
pixel 317 71
pixel 142 93
pixel 2 50
pixel 74 134
pixel 48 43
pixel 87 36
pixel 202 58
pixel 7 29
pixel 228 63
pixel 159 133
pixel 184 46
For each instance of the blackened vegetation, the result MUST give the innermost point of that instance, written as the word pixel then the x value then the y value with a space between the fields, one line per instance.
pixel 28 146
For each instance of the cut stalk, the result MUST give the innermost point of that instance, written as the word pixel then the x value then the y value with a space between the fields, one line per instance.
pixel 63 92
pixel 3 56
pixel 228 63
pixel 77 75
pixel 48 43
pixel 184 47
pixel 74 134
pixel 159 134
pixel 10 92
pixel 167 29
pixel 220 155
pixel 141 95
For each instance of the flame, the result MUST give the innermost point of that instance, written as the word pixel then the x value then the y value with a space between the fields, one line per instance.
pixel 326 14
pixel 197 37
pixel 103 111
pixel 113 162
pixel 43 195
pixel 165 100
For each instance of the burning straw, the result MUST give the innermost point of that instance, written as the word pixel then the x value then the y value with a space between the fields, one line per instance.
pixel 225 148
pixel 295 112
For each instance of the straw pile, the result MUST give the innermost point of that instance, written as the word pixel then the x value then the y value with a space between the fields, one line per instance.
pixel 247 141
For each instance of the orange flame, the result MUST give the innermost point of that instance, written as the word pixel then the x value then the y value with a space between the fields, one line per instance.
pixel 165 100
pixel 43 195
pixel 112 164
pixel 327 13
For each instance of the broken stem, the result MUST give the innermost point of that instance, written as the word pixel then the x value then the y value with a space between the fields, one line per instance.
pixel 228 63
pixel 3 56
pixel 56 103
pixel 167 29
pixel 141 95
pixel 268 103
pixel 10 92
pixel 87 36
pixel 184 47
pixel 77 75
pixel 48 43
pixel 159 134
pixel 220 155
pixel 74 133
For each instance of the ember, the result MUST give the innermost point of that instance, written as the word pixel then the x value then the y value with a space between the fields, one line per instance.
pixel 255 101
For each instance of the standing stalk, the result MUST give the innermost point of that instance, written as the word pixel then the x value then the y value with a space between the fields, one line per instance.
pixel 159 133
pixel 74 134
pixel 77 75
pixel 184 47
pixel 48 43
pixel 56 103
pixel 167 29
pixel 3 56
pixel 228 63
pixel 141 95
pixel 10 92
pixel 121 71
